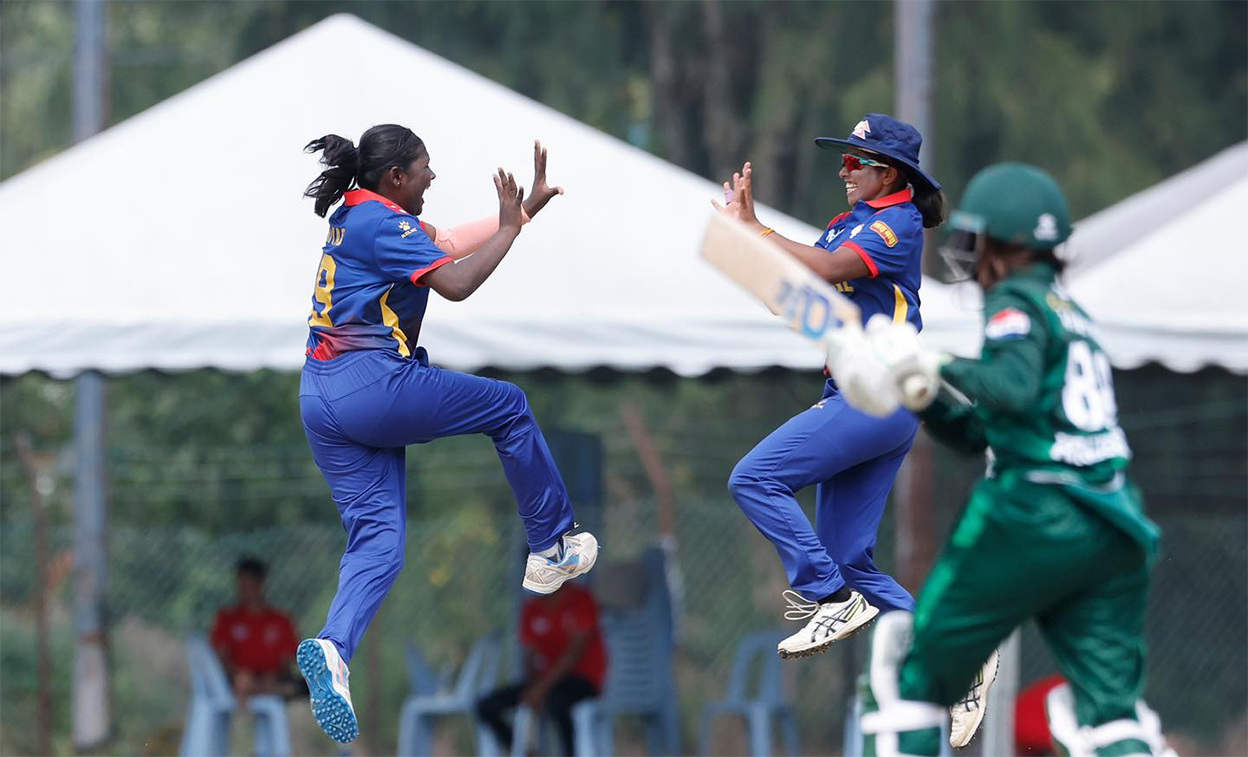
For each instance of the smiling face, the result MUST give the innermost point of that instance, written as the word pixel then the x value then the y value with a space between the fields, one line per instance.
pixel 867 182
pixel 409 185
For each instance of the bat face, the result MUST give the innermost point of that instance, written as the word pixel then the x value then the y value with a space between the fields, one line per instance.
pixel 806 310
pixel 808 304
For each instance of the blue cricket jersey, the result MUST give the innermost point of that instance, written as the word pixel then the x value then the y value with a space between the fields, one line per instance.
pixel 888 235
pixel 368 294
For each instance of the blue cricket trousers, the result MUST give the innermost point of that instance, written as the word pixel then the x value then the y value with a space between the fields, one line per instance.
pixel 360 411
pixel 853 457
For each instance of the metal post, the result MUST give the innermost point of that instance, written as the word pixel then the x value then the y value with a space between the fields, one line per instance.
pixel 913 50
pixel 91 681
pixel 914 515
pixel 90 69
pixel 999 717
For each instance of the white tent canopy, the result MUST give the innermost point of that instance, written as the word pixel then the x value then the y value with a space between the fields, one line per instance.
pixel 1176 296
pixel 1104 234
pixel 195 249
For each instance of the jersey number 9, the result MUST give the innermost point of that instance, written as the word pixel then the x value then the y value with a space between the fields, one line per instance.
pixel 323 294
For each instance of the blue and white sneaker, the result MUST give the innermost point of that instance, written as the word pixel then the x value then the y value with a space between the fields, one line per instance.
pixel 327 676
pixel 544 576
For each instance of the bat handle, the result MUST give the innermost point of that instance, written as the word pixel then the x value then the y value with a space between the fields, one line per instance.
pixel 917 392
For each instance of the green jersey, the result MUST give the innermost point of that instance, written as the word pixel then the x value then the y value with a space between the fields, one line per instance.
pixel 1041 399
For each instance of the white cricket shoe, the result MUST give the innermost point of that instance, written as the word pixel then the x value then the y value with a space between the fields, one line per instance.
pixel 829 623
pixel 544 576
pixel 327 675
pixel 966 715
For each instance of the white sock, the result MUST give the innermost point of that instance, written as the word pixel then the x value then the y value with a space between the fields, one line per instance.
pixel 554 552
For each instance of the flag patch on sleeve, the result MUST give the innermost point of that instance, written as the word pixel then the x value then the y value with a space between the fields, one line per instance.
pixel 1010 323
pixel 886 233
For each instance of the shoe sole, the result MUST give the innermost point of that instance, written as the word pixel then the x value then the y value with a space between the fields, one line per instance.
pixel 543 589
pixel 332 712
pixel 822 647
pixel 983 711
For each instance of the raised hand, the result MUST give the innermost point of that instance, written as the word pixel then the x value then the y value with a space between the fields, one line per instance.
pixel 510 200
pixel 541 192
pixel 739 197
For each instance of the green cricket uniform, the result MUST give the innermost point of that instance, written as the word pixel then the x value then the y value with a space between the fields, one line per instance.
pixel 1055 531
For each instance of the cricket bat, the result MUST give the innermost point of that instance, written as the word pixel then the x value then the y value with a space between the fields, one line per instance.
pixel 805 302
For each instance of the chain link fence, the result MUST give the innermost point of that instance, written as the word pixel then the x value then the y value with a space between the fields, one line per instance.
pixel 465 547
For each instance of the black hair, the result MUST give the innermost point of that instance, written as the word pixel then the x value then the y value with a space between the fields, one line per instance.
pixel 999 247
pixel 930 202
pixel 931 205
pixel 251 566
pixel 380 148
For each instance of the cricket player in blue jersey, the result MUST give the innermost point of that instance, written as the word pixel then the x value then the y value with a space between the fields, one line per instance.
pixel 368 390
pixel 873 254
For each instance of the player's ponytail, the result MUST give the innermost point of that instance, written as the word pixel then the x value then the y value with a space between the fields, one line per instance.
pixel 381 147
pixel 931 205
pixel 343 161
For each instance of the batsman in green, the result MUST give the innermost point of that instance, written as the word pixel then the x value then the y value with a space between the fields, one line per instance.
pixel 1055 531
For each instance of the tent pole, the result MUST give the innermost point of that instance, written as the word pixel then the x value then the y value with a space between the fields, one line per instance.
pixel 914 22
pixel 91 680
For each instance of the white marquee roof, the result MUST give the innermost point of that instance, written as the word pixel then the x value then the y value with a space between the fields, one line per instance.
pixel 1176 295
pixel 195 248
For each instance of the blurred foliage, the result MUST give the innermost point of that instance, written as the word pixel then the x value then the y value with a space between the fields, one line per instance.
pixel 1110 96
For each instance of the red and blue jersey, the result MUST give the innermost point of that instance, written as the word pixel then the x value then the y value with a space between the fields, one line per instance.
pixel 368 293
pixel 888 235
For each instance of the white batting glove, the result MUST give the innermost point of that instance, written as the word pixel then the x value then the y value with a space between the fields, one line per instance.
pixel 864 381
pixel 915 371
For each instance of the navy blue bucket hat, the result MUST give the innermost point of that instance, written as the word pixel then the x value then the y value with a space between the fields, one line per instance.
pixel 885 135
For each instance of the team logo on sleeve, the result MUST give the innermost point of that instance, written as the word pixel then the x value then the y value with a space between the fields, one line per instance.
pixel 407 229
pixel 1010 323
pixel 886 233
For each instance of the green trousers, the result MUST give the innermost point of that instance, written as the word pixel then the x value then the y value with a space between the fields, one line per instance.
pixel 1021 551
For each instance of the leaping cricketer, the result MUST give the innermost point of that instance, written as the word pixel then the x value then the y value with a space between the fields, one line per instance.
pixel 1055 530
pixel 368 391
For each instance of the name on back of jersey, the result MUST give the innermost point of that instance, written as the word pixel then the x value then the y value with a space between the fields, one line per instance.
pixel 1081 450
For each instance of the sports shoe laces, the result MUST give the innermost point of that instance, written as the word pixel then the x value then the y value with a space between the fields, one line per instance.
pixel 799 607
pixel 971 700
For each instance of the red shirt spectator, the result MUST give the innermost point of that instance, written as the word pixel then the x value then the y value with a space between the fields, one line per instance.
pixel 547 625
pixel 1031 724
pixel 260 640
pixel 255 641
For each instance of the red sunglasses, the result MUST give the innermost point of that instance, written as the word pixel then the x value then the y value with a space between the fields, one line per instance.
pixel 856 162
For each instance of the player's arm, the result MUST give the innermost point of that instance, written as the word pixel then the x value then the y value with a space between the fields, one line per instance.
pixel 1008 374
pixel 842 264
pixel 466 239
pixel 461 278
pixel 953 420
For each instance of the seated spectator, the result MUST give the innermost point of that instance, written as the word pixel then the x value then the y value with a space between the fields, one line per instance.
pixel 256 642
pixel 565 662
pixel 1031 724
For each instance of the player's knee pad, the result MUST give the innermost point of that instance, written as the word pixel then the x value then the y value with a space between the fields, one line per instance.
pixel 1137 737
pixel 892 726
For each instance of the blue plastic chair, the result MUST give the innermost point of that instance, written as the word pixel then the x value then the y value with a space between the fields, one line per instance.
pixel 765 705
pixel 639 681
pixel 207 731
pixel 421 711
